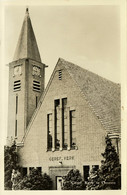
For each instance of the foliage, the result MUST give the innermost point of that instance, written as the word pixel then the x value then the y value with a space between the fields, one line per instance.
pixel 73 181
pixel 10 163
pixel 93 180
pixel 109 175
pixel 34 181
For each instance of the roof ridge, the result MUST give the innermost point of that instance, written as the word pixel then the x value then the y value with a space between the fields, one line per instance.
pixel 66 61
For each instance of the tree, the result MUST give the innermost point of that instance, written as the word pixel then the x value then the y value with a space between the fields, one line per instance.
pixel 34 181
pixel 93 180
pixel 109 175
pixel 10 163
pixel 73 181
pixel 110 170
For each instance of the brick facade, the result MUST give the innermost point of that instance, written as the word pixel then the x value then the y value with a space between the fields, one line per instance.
pixel 90 134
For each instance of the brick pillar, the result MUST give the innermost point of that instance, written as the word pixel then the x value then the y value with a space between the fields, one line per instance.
pixel 53 128
pixel 68 126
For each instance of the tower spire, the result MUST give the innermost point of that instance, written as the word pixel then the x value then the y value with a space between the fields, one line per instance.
pixel 27 45
pixel 27 10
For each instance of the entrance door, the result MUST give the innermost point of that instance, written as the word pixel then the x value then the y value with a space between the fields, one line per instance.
pixel 59 182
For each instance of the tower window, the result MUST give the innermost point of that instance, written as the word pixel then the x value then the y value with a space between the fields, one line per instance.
pixel 16 128
pixel 16 104
pixel 36 86
pixel 60 74
pixel 49 124
pixel 64 123
pixel 17 85
pixel 57 124
pixel 72 129
pixel 36 101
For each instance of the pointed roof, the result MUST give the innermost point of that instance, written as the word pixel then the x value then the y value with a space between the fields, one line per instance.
pixel 102 95
pixel 27 45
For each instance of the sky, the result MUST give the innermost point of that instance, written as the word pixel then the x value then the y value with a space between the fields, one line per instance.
pixel 87 35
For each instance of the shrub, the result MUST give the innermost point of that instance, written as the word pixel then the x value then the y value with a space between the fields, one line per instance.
pixel 34 181
pixel 10 163
pixel 109 174
pixel 73 181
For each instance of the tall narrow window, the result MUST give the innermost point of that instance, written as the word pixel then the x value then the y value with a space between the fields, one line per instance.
pixel 86 172
pixel 36 101
pixel 72 129
pixel 57 124
pixel 16 128
pixel 49 124
pixel 16 104
pixel 64 122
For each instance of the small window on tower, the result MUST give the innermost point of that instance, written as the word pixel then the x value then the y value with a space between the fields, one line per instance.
pixel 60 74
pixel 36 86
pixel 17 85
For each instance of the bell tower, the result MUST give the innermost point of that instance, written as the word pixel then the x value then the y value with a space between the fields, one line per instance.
pixel 26 81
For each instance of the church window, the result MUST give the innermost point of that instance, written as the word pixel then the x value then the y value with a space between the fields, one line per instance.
pixel 17 85
pixel 72 129
pixel 57 124
pixel 49 121
pixel 36 86
pixel 60 74
pixel 64 123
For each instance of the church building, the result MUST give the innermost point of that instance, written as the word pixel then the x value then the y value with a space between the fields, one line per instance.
pixel 63 125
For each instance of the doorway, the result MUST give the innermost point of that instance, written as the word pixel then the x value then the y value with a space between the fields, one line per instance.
pixel 59 182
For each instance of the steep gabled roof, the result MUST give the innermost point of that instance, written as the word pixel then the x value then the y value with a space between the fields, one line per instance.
pixel 27 45
pixel 103 95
